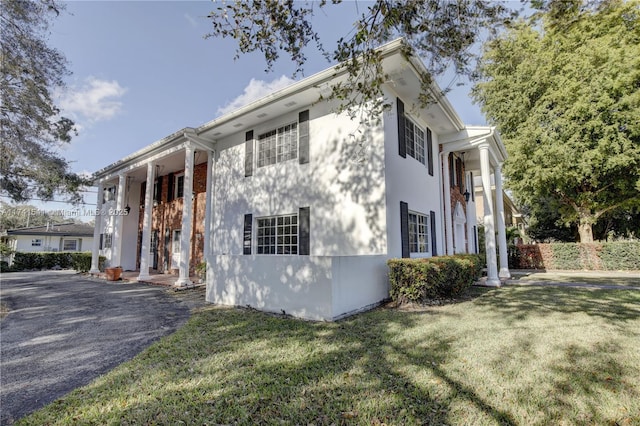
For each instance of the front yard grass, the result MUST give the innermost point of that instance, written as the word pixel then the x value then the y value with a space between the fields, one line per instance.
pixel 516 355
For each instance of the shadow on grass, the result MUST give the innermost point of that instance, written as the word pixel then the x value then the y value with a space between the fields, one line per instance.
pixel 234 366
pixel 519 303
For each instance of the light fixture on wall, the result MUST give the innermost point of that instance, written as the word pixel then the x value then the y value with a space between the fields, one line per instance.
pixel 466 195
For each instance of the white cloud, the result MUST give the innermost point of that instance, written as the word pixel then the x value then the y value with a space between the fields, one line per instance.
pixel 255 90
pixel 95 100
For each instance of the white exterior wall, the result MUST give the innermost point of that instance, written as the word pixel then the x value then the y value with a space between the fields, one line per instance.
pixel 49 243
pixel 344 186
pixel 408 180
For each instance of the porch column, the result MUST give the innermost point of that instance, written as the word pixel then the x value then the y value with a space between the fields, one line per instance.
pixel 489 229
pixel 146 223
pixel 116 257
pixel 502 234
pixel 97 227
pixel 187 207
pixel 208 204
pixel 448 225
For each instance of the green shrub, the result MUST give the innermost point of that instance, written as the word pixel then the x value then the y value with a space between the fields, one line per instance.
pixel 620 255
pixel 81 262
pixel 419 280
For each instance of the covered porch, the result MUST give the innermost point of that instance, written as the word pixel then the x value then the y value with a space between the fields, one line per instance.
pixel 475 151
pixel 152 210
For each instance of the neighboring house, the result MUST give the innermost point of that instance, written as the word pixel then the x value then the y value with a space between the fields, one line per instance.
pixel 512 216
pixel 296 208
pixel 70 237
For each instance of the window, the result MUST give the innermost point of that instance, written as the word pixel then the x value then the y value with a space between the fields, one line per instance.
pixel 278 234
pixel 278 145
pixel 36 242
pixel 418 233
pixel 414 139
pixel 179 186
pixel 108 193
pixel 175 244
pixel 70 245
pixel 108 240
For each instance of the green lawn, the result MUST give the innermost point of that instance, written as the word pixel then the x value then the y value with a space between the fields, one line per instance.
pixel 516 355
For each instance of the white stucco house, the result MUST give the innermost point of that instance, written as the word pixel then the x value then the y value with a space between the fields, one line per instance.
pixel 57 237
pixel 295 208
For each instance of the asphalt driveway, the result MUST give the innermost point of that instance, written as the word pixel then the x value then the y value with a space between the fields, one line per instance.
pixel 63 330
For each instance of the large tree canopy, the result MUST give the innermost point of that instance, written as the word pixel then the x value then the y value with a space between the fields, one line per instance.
pixel 31 128
pixel 565 95
pixel 440 31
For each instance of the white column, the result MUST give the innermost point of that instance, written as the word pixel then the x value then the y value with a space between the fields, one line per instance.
pixel 448 225
pixel 208 204
pixel 146 223
pixel 502 234
pixel 116 256
pixel 187 207
pixel 97 227
pixel 489 229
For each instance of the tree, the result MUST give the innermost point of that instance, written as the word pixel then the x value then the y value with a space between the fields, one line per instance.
pixel 31 127
pixel 565 94
pixel 440 31
pixel 23 216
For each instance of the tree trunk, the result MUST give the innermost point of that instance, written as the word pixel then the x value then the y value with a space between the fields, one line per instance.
pixel 585 230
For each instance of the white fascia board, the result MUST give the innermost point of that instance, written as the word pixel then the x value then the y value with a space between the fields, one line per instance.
pixel 315 81
pixel 162 148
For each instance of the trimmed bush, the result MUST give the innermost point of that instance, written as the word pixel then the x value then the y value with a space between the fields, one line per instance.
pixel 81 262
pixel 607 256
pixel 420 280
pixel 620 255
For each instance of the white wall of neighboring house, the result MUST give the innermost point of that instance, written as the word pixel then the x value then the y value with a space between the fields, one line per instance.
pixel 25 243
pixel 344 186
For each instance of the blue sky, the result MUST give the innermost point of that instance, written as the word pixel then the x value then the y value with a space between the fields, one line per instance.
pixel 143 70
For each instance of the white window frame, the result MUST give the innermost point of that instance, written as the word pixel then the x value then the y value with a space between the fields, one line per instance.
pixel 36 242
pixel 176 186
pixel 278 234
pixel 175 241
pixel 414 139
pixel 108 240
pixel 109 193
pixel 64 244
pixel 419 238
pixel 277 145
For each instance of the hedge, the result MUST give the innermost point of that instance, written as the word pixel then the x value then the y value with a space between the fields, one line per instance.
pixel 420 280
pixel 81 262
pixel 601 256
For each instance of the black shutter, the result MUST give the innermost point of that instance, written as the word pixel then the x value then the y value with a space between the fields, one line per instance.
pixel 143 193
pixel 101 240
pixel 452 176
pixel 434 242
pixel 430 151
pixel 475 240
pixel 157 196
pixel 472 189
pixel 402 145
pixel 170 185
pixel 459 175
pixel 404 228
pixel 303 137
pixel 304 231
pixel 246 244
pixel 248 154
